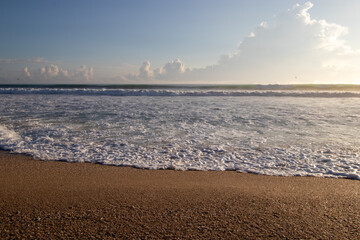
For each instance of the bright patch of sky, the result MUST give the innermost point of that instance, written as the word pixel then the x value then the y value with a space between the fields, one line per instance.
pixel 160 41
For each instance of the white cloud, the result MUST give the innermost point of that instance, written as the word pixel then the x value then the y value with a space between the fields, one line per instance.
pixel 84 72
pixel 171 70
pixel 39 70
pixel 52 71
pixel 26 71
pixel 54 74
pixel 144 71
pixel 291 48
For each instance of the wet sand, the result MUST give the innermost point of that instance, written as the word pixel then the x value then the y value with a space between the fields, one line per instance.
pixel 43 199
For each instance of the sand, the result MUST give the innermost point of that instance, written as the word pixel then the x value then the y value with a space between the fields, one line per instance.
pixel 46 199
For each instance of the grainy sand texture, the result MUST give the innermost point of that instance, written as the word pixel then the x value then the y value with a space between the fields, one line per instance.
pixel 45 199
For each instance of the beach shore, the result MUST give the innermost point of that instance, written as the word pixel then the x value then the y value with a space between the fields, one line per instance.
pixel 48 199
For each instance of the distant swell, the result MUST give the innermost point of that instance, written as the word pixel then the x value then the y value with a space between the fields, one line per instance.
pixel 180 92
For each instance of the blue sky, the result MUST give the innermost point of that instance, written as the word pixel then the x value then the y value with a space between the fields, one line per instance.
pixel 133 41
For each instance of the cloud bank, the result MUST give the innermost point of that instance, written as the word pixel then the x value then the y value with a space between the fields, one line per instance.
pixel 172 70
pixel 47 73
pixel 53 73
pixel 291 48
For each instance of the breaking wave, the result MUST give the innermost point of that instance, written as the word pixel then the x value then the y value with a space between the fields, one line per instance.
pixel 180 92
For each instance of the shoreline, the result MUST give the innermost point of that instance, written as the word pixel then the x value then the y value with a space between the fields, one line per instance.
pixel 174 169
pixel 56 199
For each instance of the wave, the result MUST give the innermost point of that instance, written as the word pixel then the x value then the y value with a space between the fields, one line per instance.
pixel 179 92
pixel 271 136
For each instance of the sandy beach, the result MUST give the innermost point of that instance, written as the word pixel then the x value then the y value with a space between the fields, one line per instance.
pixel 44 199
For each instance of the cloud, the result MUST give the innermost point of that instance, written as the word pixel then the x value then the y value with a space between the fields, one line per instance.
pixel 25 60
pixel 26 72
pixel 39 70
pixel 144 71
pixel 84 72
pixel 290 48
pixel 54 74
pixel 52 71
pixel 174 67
pixel 171 70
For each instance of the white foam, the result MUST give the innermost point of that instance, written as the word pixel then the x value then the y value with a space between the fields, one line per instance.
pixel 9 139
pixel 284 136
pixel 7 134
pixel 180 92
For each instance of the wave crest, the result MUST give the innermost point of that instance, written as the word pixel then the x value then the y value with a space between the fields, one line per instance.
pixel 180 92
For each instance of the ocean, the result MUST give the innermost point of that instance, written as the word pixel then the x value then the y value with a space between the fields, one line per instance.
pixel 271 130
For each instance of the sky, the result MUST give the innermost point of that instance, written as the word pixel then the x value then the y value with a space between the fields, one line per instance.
pixel 179 42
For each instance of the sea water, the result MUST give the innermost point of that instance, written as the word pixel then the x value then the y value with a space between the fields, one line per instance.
pixel 287 133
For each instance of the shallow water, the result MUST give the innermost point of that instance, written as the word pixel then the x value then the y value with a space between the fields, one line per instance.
pixel 286 133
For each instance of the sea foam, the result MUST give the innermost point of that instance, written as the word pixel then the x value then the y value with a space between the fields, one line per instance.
pixel 180 92
pixel 287 135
